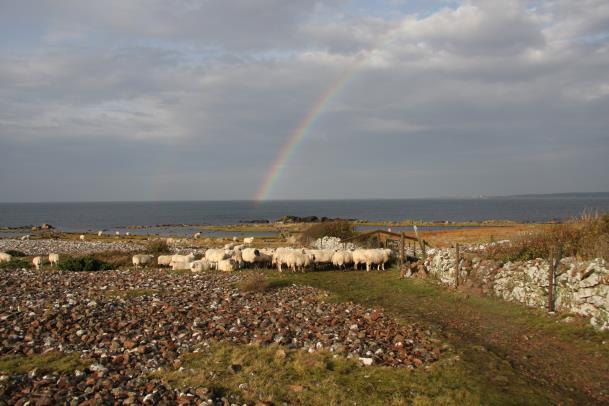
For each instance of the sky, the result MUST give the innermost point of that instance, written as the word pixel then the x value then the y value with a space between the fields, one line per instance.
pixel 195 100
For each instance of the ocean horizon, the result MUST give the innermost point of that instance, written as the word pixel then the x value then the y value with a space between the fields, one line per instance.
pixel 110 216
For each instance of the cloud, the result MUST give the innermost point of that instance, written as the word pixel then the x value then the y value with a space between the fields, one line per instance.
pixel 200 97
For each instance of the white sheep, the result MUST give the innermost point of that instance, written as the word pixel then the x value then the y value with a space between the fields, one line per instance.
pixel 298 261
pixel 200 265
pixel 100 233
pixel 279 257
pixel 4 257
pixel 249 255
pixel 164 260
pixel 37 261
pixel 237 256
pixel 142 259
pixel 248 240
pixel 215 255
pixel 181 262
pixel 117 233
pixel 25 237
pixel 82 237
pixel 226 265
pixel 321 257
pixel 53 259
pixel 180 266
pixel 196 236
pixel 127 233
pixel 342 258
pixel 359 257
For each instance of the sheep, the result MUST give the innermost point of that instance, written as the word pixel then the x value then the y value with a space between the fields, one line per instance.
pixel 164 260
pixel 200 265
pixel 117 234
pixel 342 258
pixel 196 236
pixel 238 258
pixel 215 255
pixel 230 245
pixel 298 261
pixel 279 257
pixel 53 259
pixel 141 259
pixel 387 254
pixel 249 255
pixel 265 259
pixel 359 257
pixel 322 257
pixel 4 257
pixel 181 266
pixel 100 233
pixel 181 262
pixel 226 265
pixel 82 237
pixel 25 237
pixel 37 261
pixel 235 239
pixel 127 233
pixel 248 240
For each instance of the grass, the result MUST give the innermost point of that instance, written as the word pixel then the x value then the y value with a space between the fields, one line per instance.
pixel 133 293
pixel 16 263
pixel 85 263
pixel 256 282
pixel 507 351
pixel 52 362
pixel 274 374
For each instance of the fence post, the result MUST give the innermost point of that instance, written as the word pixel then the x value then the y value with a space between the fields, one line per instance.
pixel 457 265
pixel 555 256
pixel 402 255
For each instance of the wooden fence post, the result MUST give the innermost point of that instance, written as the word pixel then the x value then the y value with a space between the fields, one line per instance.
pixel 457 265
pixel 402 273
pixel 555 257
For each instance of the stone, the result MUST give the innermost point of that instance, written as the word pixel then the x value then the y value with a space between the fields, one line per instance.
pixel 366 361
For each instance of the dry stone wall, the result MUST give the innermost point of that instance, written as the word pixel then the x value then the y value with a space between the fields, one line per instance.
pixel 581 287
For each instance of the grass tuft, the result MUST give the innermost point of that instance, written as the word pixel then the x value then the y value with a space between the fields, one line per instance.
pixel 50 362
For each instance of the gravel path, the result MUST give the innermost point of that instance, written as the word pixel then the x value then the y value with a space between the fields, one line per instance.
pixel 47 246
pixel 126 337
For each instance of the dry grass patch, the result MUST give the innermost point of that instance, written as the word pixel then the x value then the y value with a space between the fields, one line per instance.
pixel 585 238
pixel 132 293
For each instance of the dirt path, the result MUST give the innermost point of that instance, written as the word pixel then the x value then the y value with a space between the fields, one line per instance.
pixel 523 354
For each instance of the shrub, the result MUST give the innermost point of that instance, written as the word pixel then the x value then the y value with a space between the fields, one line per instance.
pixel 586 238
pixel 15 263
pixel 254 283
pixel 158 247
pixel 340 229
pixel 15 253
pixel 86 264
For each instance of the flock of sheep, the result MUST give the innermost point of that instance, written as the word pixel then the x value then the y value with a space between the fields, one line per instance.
pixel 235 256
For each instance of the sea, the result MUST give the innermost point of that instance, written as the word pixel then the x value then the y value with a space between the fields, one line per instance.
pixel 118 216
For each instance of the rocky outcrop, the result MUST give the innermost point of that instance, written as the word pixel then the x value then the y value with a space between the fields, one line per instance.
pixel 581 287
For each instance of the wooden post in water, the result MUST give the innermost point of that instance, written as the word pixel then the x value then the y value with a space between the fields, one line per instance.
pixel 457 265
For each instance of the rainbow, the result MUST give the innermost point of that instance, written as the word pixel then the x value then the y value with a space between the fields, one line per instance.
pixel 295 138
pixel 291 144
